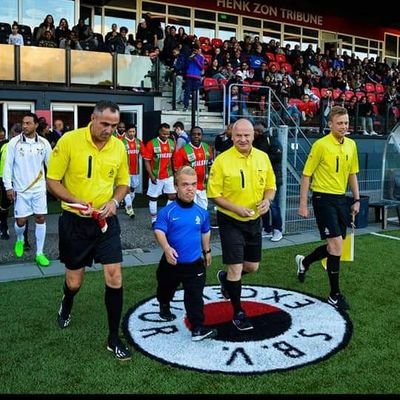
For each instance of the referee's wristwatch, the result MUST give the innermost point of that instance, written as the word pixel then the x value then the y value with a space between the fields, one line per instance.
pixel 205 252
pixel 356 201
pixel 115 202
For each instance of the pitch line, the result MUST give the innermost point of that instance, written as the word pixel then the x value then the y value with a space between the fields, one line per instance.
pixel 385 236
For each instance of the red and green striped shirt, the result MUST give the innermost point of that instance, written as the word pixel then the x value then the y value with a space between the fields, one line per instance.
pixel 159 154
pixel 199 158
pixel 134 148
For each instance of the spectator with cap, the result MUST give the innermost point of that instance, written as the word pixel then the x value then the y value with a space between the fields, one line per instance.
pixel 144 33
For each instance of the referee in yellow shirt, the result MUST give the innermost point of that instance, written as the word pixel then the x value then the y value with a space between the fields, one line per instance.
pixel 242 185
pixel 89 166
pixel 333 164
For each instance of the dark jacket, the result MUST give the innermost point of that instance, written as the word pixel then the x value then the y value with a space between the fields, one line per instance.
pixel 222 143
pixel 271 145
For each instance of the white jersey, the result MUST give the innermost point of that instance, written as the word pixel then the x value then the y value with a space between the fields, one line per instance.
pixel 24 164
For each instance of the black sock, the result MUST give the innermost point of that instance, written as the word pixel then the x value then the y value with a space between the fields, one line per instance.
pixel 318 254
pixel 234 288
pixel 26 231
pixel 332 267
pixel 3 221
pixel 113 299
pixel 68 300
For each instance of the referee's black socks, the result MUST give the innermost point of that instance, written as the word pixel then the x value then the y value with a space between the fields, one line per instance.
pixel 318 254
pixel 332 267
pixel 234 288
pixel 113 299
pixel 67 301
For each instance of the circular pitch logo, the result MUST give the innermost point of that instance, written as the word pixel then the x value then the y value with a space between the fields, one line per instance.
pixel 291 330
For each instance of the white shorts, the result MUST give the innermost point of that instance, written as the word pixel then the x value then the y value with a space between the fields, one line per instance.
pixel 201 199
pixel 162 186
pixel 133 181
pixel 27 204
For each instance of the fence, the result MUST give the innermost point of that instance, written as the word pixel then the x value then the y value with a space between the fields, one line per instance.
pixel 369 183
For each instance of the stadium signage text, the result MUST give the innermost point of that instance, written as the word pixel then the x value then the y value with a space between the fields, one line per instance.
pixel 291 330
pixel 266 10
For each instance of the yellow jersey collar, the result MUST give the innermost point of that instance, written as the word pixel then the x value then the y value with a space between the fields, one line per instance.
pixel 88 137
pixel 240 155
pixel 334 140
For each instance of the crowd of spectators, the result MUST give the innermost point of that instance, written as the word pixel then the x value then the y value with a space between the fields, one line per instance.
pixel 309 81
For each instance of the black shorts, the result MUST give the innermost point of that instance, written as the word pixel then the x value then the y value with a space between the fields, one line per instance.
pixel 5 204
pixel 240 240
pixel 332 213
pixel 81 241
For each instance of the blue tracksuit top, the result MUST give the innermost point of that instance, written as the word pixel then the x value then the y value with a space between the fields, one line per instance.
pixel 183 225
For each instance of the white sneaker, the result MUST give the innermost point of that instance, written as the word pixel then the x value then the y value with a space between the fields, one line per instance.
pixel 373 133
pixel 266 234
pixel 365 133
pixel 129 211
pixel 277 236
pixel 301 271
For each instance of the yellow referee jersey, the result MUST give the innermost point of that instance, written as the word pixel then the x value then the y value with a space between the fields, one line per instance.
pixel 88 173
pixel 241 179
pixel 330 163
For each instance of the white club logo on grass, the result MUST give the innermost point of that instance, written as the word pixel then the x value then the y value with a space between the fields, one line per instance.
pixel 291 330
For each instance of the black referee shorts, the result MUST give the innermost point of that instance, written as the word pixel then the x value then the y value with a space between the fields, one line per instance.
pixel 332 213
pixel 81 241
pixel 240 240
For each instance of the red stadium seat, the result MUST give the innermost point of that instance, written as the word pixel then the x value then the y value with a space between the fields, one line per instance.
pixel 271 63
pixel 280 58
pixel 270 56
pixel 336 93
pixel 360 94
pixel 208 60
pixel 203 39
pixel 210 83
pixel 372 97
pixel 323 92
pixel 288 67
pixel 379 88
pixel 369 87
pixel 216 42
pixel 316 91
pixel 206 48
pixel 256 86
pixel 246 88
pixel 349 94
pixel 295 102
pixel 380 97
